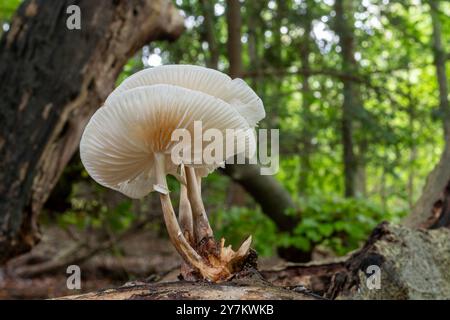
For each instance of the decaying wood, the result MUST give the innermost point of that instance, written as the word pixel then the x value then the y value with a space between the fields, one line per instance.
pixel 182 290
pixel 52 79
pixel 413 264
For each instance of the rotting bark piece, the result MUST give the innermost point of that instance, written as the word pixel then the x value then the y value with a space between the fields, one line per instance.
pixel 413 264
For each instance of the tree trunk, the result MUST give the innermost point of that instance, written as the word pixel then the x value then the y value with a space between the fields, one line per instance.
pixel 306 135
pixel 234 45
pixel 412 118
pixel 433 207
pixel 52 80
pixel 209 34
pixel 346 40
pixel 253 45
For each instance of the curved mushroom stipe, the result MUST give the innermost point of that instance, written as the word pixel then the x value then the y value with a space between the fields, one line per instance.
pixel 202 229
pixel 187 226
pixel 199 183
pixel 213 272
pixel 175 233
pixel 186 223
pixel 185 215
pixel 219 256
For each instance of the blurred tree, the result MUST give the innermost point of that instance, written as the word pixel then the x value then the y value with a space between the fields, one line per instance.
pixel 305 20
pixel 433 207
pixel 210 34
pixel 352 101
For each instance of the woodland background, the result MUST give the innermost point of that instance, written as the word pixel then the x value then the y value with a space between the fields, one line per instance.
pixel 358 89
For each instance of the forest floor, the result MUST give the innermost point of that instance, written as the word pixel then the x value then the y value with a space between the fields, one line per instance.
pixel 143 256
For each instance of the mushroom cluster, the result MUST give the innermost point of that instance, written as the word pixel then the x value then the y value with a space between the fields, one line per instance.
pixel 128 146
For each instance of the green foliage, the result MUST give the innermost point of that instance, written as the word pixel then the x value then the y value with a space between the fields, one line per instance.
pixel 340 224
pixel 92 213
pixel 132 66
pixel 7 9
pixel 336 223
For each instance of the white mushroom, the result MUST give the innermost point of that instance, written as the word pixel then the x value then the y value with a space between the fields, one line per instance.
pixel 127 146
pixel 212 82
pixel 209 81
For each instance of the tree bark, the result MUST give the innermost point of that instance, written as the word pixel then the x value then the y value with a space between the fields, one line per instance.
pixel 412 264
pixel 433 207
pixel 52 80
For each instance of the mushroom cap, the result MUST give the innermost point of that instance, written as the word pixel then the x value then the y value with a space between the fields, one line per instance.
pixel 119 144
pixel 212 82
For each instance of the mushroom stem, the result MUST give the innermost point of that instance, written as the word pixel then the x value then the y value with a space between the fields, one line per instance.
pixel 185 214
pixel 202 229
pixel 187 226
pixel 175 234
pixel 199 184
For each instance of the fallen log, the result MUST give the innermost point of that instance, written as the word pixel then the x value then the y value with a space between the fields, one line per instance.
pixel 412 264
pixel 395 263
pixel 184 290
